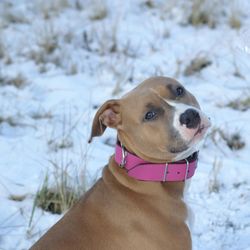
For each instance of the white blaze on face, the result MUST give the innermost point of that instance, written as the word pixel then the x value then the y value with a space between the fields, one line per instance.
pixel 187 133
pixel 192 136
pixel 180 108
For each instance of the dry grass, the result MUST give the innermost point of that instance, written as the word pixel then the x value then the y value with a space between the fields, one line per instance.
pixel 18 80
pixel 242 104
pixel 42 68
pixel 47 37
pixel 2 45
pixel 204 12
pixel 62 143
pixel 79 5
pixel 47 42
pixel 201 12
pixel 68 36
pixel 235 15
pixel 15 121
pixel 4 53
pixel 50 8
pixel 51 49
pixel 211 12
pixel 99 10
pixel 57 199
pixel 62 187
pixel 101 38
pixel 214 184
pixel 159 32
pixel 10 15
pixel 235 22
pixel 65 180
pixel 149 4
pixel 9 120
pixel 196 65
pixel 18 198
pixel 72 69
pixel 122 72
pixel 234 140
pixel 40 115
pixel 178 68
pixel 64 139
pixel 39 57
pixel 87 39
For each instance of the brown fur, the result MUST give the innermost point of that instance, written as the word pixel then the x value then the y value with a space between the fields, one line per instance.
pixel 119 212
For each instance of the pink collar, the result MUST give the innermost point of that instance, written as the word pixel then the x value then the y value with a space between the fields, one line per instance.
pixel 148 171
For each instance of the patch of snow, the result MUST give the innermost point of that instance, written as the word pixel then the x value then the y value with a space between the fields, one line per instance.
pixel 63 89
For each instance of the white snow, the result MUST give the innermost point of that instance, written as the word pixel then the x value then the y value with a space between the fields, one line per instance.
pixel 98 59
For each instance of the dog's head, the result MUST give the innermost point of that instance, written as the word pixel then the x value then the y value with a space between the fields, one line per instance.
pixel 159 120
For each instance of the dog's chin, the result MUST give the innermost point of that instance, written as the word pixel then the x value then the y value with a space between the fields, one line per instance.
pixel 185 153
pixel 188 148
pixel 193 145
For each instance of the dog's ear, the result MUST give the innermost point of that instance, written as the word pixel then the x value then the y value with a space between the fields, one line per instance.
pixel 108 115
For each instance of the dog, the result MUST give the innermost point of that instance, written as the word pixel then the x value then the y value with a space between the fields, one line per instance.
pixel 138 202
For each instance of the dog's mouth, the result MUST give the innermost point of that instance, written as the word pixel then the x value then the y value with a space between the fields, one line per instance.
pixel 198 135
pixel 175 150
pixel 199 130
pixel 202 129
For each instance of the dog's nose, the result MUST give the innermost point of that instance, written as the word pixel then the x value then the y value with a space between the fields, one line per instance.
pixel 190 118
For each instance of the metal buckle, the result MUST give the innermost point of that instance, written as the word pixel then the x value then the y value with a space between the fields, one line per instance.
pixel 187 168
pixel 124 154
pixel 165 172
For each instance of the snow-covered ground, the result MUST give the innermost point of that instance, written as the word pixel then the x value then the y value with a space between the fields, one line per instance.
pixel 61 59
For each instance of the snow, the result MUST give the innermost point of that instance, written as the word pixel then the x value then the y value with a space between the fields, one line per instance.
pixel 63 89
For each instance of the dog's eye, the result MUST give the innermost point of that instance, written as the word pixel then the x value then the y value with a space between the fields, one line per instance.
pixel 179 91
pixel 150 115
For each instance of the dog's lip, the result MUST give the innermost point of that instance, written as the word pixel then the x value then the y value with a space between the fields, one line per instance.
pixel 201 129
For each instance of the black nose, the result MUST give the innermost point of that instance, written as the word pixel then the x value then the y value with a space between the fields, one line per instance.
pixel 190 118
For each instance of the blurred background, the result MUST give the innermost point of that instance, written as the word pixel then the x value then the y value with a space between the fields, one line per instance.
pixel 61 59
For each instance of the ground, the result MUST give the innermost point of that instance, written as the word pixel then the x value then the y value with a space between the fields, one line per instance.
pixel 60 60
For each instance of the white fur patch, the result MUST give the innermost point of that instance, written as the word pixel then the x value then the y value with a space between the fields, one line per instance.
pixel 180 108
pixel 186 133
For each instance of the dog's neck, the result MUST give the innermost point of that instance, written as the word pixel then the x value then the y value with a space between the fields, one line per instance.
pixel 173 189
pixel 142 170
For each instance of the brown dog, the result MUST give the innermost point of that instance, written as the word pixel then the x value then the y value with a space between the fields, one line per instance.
pixel 159 122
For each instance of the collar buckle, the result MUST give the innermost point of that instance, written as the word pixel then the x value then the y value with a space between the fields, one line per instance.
pixel 124 154
pixel 187 169
pixel 165 172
